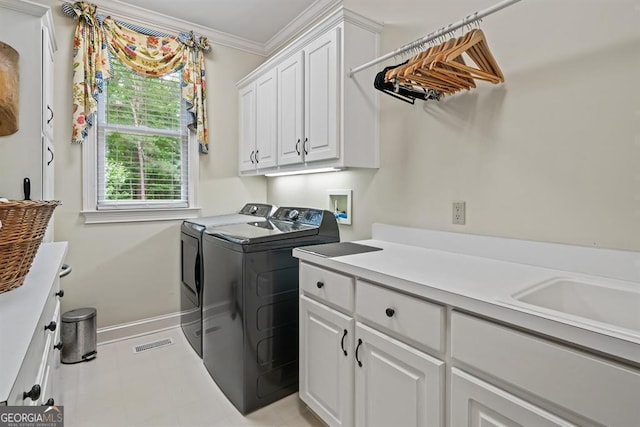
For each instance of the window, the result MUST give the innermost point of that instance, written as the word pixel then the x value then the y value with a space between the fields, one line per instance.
pixel 142 152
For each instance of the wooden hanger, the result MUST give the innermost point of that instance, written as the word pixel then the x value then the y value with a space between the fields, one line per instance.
pixel 442 67
pixel 456 82
pixel 476 47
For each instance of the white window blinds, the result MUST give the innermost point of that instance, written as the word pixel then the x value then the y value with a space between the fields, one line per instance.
pixel 142 142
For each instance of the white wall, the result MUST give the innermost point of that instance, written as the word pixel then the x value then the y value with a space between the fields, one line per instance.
pixel 553 154
pixel 131 271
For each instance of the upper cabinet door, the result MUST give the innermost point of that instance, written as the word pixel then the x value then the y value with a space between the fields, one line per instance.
pixel 266 136
pixel 290 105
pixel 47 85
pixel 247 130
pixel 321 69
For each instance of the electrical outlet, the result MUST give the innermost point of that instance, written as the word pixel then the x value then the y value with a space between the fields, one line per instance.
pixel 459 213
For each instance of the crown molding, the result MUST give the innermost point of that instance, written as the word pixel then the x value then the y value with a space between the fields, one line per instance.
pixel 24 6
pixel 317 9
pixel 148 18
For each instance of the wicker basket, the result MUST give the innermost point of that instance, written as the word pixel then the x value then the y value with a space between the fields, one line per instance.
pixel 24 223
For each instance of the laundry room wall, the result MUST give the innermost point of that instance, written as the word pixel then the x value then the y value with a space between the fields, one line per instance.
pixel 130 271
pixel 550 155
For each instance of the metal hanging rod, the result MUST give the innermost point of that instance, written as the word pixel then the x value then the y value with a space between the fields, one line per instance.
pixel 434 35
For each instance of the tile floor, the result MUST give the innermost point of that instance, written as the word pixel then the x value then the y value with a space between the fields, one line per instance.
pixel 167 386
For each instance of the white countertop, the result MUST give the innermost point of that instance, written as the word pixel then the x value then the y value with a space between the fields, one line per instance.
pixel 21 308
pixel 480 285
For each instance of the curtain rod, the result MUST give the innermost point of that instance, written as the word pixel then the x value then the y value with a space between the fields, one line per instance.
pixel 434 35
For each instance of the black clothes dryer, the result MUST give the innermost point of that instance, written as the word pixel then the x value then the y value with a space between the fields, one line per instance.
pixel 191 265
pixel 250 309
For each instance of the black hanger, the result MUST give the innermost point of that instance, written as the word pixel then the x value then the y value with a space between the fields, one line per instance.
pixel 403 93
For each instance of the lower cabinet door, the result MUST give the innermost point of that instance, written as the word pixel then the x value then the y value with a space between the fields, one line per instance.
pixel 475 403
pixel 326 362
pixel 396 384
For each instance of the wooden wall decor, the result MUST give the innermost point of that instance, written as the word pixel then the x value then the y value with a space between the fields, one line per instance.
pixel 9 89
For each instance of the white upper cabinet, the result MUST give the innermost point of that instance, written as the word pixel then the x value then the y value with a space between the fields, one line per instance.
pixel 321 97
pixel 266 125
pixel 290 107
pixel 29 153
pixel 247 131
pixel 258 128
pixel 317 115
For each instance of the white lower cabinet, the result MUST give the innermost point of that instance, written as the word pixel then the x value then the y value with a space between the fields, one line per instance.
pixel 30 353
pixel 475 403
pixel 396 385
pixel 583 388
pixel 374 356
pixel 326 362
pixel 352 374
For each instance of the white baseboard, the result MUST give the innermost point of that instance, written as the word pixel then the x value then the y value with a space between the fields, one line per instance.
pixel 138 328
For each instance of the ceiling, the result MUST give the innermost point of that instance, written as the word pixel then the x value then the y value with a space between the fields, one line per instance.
pixel 263 26
pixel 258 26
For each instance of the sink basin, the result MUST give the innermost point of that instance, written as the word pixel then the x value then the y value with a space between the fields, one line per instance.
pixel 613 305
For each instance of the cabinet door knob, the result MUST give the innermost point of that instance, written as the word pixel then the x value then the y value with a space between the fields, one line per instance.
pixel 60 293
pixel 49 402
pixel 51 326
pixel 33 394
pixel 344 335
pixel 58 346
pixel 390 312
pixel 320 285
pixel 358 348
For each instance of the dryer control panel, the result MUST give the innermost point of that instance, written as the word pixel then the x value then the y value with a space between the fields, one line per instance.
pixel 300 215
pixel 257 209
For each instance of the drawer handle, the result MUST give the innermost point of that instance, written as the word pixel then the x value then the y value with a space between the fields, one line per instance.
pixel 357 348
pixel 390 312
pixel 33 394
pixel 51 116
pixel 58 346
pixel 60 293
pixel 51 326
pixel 49 402
pixel 52 156
pixel 342 342
pixel 320 285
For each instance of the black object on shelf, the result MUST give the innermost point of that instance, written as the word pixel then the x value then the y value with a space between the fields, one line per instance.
pixel 26 187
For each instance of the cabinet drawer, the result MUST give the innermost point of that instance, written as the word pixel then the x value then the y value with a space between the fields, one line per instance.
pixel 329 286
pixel 602 391
pixel 34 368
pixel 404 316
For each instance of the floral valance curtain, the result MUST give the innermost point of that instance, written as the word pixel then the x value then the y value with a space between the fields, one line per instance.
pixel 148 52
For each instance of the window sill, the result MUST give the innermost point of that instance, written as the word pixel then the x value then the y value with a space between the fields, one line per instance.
pixel 138 215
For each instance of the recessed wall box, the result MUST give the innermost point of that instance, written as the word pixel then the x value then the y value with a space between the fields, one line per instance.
pixel 340 205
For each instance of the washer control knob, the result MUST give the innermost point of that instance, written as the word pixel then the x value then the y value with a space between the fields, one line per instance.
pixel 253 210
pixel 293 214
